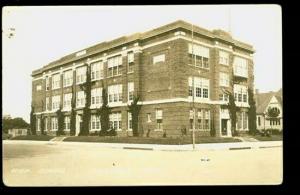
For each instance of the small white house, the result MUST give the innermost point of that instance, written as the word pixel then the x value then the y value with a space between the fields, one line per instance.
pixel 17 132
pixel 264 101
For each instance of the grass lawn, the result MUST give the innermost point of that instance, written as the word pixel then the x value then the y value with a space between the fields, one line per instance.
pixel 34 137
pixel 145 140
pixel 271 138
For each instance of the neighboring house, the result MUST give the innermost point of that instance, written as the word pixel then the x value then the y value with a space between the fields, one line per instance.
pixel 17 132
pixel 264 101
pixel 167 67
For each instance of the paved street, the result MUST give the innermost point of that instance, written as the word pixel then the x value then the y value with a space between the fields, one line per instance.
pixel 91 165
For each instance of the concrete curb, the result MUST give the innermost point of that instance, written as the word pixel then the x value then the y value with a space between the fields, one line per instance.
pixel 149 147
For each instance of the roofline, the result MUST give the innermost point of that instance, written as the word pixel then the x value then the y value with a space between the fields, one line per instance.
pixel 139 37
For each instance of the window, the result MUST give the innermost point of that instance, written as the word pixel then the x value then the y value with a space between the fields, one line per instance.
pixel 67 123
pixel 114 65
pixel 38 124
pixel 54 125
pixel 47 84
pixel 80 99
pixel 159 58
pixel 148 117
pixel 240 93
pixel 242 120
pixel 198 92
pixel 56 81
pixel 224 79
pixel 244 97
pixel 55 102
pixel 130 62
pixel 39 87
pixel 95 123
pixel 130 57
pixel 223 58
pixel 190 91
pixel 129 121
pixel 81 74
pixel 115 121
pixel 239 97
pixel 97 71
pixel 203 119
pixel 68 78
pixel 206 119
pixel 96 97
pixel 159 119
pixel 240 67
pixel 115 93
pixel 198 56
pixel 258 118
pixel 48 106
pixel 223 97
pixel 201 86
pixel 67 100
pixel 130 91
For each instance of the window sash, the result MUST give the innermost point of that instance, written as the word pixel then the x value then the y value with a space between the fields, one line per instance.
pixel 55 102
pixel 96 96
pixel 56 81
pixel 129 121
pixel 115 121
pixel 201 86
pixel 47 83
pixel 115 93
pixel 159 114
pixel 130 57
pixel 81 74
pixel 80 99
pixel 198 50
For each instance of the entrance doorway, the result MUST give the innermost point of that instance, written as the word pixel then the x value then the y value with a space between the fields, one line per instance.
pixel 224 127
pixel 78 124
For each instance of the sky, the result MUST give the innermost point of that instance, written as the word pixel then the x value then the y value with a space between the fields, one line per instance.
pixel 44 34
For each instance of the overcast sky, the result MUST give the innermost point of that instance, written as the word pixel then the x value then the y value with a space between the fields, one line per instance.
pixel 44 34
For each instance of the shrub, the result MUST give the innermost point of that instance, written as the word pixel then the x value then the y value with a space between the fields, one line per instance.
pixel 274 131
pixel 95 133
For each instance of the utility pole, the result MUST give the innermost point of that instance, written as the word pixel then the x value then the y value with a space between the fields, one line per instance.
pixel 193 90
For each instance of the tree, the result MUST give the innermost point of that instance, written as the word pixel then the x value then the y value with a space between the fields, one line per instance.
pixel 60 122
pixel 73 113
pixel 134 109
pixel 104 112
pixel 232 108
pixel 32 121
pixel 252 112
pixel 86 116
pixel 212 129
pixel 42 125
pixel 272 114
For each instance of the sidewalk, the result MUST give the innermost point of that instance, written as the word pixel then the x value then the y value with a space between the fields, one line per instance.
pixel 188 147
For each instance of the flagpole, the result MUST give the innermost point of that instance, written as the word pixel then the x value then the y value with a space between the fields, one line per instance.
pixel 193 86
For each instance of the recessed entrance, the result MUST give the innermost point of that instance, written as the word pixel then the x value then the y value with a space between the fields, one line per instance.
pixel 224 127
pixel 78 124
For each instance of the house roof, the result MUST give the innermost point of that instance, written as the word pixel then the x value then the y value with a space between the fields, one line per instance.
pixel 263 100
